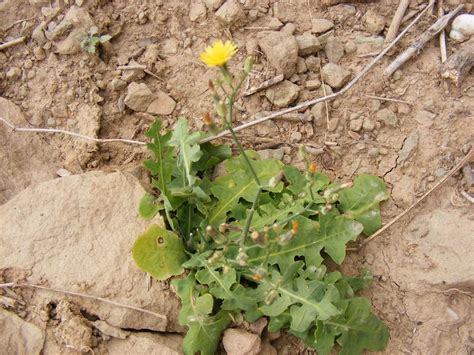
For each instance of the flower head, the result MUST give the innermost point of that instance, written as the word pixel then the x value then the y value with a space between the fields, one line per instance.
pixel 218 54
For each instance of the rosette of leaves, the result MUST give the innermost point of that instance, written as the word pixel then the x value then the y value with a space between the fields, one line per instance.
pixel 298 221
pixel 92 40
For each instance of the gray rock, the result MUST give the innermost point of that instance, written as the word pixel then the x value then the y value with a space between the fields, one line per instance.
pixel 271 153
pixel 18 336
pixel 388 117
pixel 313 63
pixel 408 148
pixel 162 105
pixel 313 84
pixel 424 117
pixel 367 45
pixel 374 22
pixel 213 4
pixel 76 256
pixel 368 125
pixel 197 10
pixel 321 25
pixel 308 44
pixel 283 94
pixel 139 97
pixel 117 84
pixel 334 50
pixel 335 75
pixel 356 125
pixel 241 342
pixel 230 12
pixel 281 50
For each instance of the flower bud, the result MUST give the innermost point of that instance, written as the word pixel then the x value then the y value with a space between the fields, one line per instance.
pixel 312 168
pixel 295 227
pixel 271 297
pixel 215 257
pixel 248 64
pixel 207 119
pixel 277 228
pixel 284 239
pixel 242 257
pixel 220 108
pixel 259 274
pixel 216 236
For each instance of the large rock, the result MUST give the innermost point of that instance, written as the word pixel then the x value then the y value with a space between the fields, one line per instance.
pixel 335 75
pixel 76 233
pixel 24 158
pixel 321 25
pixel 283 94
pixel 18 336
pixel 146 343
pixel 307 44
pixel 241 342
pixel 139 97
pixel 281 51
pixel 230 12
pixel 374 22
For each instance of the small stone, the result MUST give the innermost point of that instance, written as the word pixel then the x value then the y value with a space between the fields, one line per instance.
pixel 368 125
pixel 230 12
pixel 39 53
pixel 142 18
pixel 350 47
pixel 117 84
pixel 267 128
pixel 388 117
pixel 301 67
pixel 333 123
pixel 295 137
pixel 408 148
pixel 162 105
pixel 283 94
pixel 313 63
pixel 281 50
pixel 253 15
pixel 307 44
pixel 335 75
pixel 30 74
pixel 334 50
pixel 404 108
pixel 13 73
pixel 373 152
pixel 374 22
pixel 313 84
pixel 321 25
pixel 213 4
pixel 325 90
pixel 424 117
pixel 28 64
pixel 132 75
pixel 289 28
pixel 274 24
pixel 318 111
pixel 276 154
pixel 397 75
pixel 139 97
pixel 368 45
pixel 197 10
pixel 356 125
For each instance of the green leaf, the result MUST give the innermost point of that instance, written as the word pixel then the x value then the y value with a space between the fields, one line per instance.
pixel 105 38
pixel 297 182
pixel 149 206
pixel 93 30
pixel 159 252
pixel 204 330
pixel 361 202
pixel 211 156
pixel 188 147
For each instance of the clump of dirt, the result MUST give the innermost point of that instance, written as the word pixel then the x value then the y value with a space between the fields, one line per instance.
pixel 409 129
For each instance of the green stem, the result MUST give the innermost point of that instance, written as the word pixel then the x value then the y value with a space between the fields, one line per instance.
pixel 248 221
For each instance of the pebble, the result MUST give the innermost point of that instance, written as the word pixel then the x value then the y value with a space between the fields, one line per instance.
pixel 374 22
pixel 289 28
pixel 213 4
pixel 350 47
pixel 283 94
pixel 321 25
pixel 397 75
pixel 163 104
pixel 276 154
pixel 301 67
pixel 274 24
pixel 388 117
pixel 39 53
pixel 367 45
pixel 117 84
pixel 403 108
pixel 319 114
pixel 333 123
pixel 30 74
pixel 142 18
pixel 335 75
pixel 368 125
pixel 197 10
pixel 139 97
pixel 13 73
pixel 356 125
pixel 281 50
pixel 313 63
pixel 230 12
pixel 28 64
pixel 241 342
pixel 424 117
pixel 307 44
pixel 373 152
pixel 334 50
pixel 313 84
pixel 295 137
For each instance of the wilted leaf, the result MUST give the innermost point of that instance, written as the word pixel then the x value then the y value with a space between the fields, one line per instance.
pixel 159 252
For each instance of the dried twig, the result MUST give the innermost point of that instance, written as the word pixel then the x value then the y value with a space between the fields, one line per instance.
pixel 396 21
pixel 17 22
pixel 389 99
pixel 442 35
pixel 12 43
pixel 264 85
pixel 459 64
pixel 458 166
pixel 420 42
pixel 83 295
pixel 329 97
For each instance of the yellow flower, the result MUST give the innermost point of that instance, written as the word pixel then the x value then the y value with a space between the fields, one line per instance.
pixel 218 53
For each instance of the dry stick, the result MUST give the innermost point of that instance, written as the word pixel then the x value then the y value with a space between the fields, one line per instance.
pixel 438 184
pixel 459 64
pixel 329 97
pixel 264 85
pixel 442 35
pixel 62 131
pixel 396 21
pixel 420 42
pixel 83 295
pixel 389 99
pixel 12 43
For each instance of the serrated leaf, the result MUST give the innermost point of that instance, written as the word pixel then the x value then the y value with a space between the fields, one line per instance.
pixel 188 147
pixel 159 252
pixel 204 330
pixel 149 206
pixel 361 202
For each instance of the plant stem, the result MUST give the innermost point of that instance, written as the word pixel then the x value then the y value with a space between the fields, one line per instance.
pixel 248 221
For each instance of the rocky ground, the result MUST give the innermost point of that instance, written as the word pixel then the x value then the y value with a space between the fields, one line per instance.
pixel 68 206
